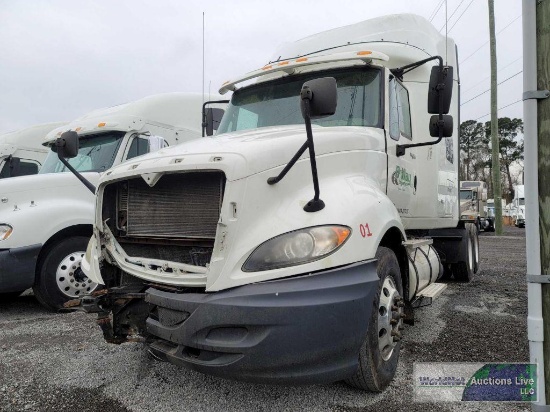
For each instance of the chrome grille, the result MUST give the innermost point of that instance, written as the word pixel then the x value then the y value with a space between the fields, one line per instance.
pixel 183 205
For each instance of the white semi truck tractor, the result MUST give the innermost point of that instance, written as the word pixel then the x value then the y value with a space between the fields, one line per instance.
pixel 46 219
pixel 292 246
pixel 474 206
pixel 23 152
pixel 518 206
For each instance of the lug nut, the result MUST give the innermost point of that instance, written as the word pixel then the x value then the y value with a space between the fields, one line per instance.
pixel 396 334
pixel 394 322
pixel 400 303
pixel 394 308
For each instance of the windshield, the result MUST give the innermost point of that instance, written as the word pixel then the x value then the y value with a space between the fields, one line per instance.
pixel 521 201
pixel 95 154
pixel 278 103
pixel 490 205
pixel 466 195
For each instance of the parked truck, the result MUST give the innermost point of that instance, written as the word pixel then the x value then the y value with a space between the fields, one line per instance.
pixel 46 219
pixel 293 246
pixel 474 205
pixel 22 152
pixel 518 206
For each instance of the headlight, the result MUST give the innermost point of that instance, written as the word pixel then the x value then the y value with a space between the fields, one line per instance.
pixel 5 231
pixel 298 247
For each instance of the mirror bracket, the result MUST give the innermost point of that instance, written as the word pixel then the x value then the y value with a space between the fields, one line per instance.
pixel 204 114
pixel 61 143
pixel 440 86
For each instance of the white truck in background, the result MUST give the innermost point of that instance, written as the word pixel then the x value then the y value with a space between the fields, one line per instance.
pixel 46 219
pixel 473 205
pixel 239 272
pixel 518 206
pixel 22 152
pixel 491 207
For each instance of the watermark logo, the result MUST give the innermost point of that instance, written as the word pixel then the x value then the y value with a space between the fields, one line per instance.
pixel 453 382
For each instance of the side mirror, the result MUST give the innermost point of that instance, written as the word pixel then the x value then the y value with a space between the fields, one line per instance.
pixel 156 143
pixel 67 145
pixel 441 83
pixel 447 125
pixel 322 95
pixel 213 119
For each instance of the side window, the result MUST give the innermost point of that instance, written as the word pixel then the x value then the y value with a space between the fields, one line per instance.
pixel 404 111
pixel 14 167
pixel 394 114
pixel 5 172
pixel 27 167
pixel 400 113
pixel 138 147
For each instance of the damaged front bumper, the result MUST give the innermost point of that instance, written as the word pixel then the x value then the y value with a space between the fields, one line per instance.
pixel 305 329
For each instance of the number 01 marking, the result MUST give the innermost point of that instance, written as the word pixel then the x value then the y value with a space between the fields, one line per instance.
pixel 365 230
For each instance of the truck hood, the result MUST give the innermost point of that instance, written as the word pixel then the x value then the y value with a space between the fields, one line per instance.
pixel 19 186
pixel 253 151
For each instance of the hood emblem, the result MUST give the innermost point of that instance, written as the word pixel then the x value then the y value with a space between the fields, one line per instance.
pixel 151 178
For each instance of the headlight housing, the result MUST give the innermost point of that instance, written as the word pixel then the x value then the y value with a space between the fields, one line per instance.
pixel 297 247
pixel 5 231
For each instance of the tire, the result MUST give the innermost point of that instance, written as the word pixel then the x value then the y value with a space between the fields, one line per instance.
pixel 377 367
pixel 59 277
pixel 474 233
pixel 463 271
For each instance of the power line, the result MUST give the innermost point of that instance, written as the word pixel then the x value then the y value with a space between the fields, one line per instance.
pixel 500 108
pixel 452 14
pixel 459 17
pixel 436 10
pixel 480 47
pixel 482 93
pixel 485 78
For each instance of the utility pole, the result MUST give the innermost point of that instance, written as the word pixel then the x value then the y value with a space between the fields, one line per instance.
pixel 536 114
pixel 497 188
pixel 543 121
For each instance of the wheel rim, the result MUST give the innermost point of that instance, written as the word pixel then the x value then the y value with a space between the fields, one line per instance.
pixel 390 313
pixel 476 251
pixel 71 281
pixel 470 254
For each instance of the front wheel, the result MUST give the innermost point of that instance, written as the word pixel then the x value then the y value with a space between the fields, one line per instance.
pixel 379 353
pixel 59 277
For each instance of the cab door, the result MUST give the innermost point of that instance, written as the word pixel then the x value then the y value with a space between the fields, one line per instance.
pixel 402 181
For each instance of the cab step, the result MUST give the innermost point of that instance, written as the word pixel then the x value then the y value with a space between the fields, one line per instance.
pixel 427 295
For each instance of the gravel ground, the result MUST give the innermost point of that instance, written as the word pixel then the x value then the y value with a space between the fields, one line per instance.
pixel 52 362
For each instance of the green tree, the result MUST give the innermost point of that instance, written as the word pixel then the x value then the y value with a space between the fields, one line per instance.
pixel 471 137
pixel 511 146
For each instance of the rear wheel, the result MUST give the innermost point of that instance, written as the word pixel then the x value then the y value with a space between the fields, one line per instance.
pixel 379 353
pixel 474 233
pixel 59 277
pixel 463 271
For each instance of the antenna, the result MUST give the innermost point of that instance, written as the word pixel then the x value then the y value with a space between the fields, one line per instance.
pixel 203 57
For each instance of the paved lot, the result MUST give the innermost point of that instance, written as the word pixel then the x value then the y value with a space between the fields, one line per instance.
pixel 53 362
